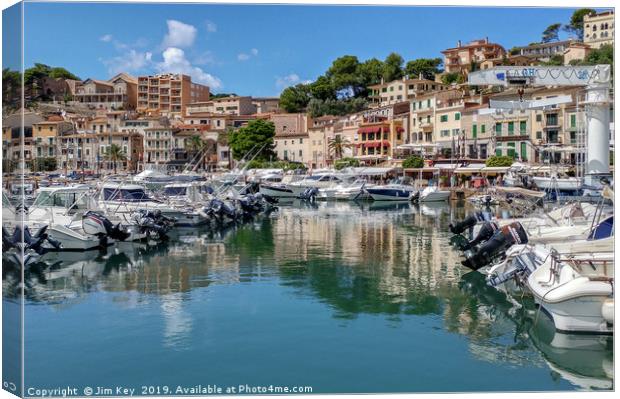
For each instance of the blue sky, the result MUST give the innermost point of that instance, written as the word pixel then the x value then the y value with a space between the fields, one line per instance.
pixel 257 50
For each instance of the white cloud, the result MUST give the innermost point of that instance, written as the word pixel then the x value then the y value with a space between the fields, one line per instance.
pixel 179 34
pixel 175 62
pixel 130 61
pixel 211 26
pixel 245 56
pixel 106 38
pixel 283 82
pixel 205 58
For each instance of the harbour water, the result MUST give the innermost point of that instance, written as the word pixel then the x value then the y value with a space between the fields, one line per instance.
pixel 338 297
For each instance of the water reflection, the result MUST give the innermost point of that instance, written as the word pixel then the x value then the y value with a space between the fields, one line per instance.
pixel 389 260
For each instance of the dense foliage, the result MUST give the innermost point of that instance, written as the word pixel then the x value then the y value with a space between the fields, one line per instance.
pixel 284 165
pixel 343 88
pixel 499 160
pixel 255 140
pixel 413 161
pixel 46 164
pixel 346 163
pixel 575 24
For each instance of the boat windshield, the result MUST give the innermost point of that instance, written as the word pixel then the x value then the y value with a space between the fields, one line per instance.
pixel 604 230
pixel 174 191
pixel 124 194
pixel 73 200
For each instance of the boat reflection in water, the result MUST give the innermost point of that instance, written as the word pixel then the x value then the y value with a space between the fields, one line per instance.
pixel 377 297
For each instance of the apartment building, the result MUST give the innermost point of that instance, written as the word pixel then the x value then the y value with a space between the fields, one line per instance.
pixel 598 29
pixel 576 52
pixel 460 58
pixel 266 105
pixel 544 51
pixel 45 136
pixel 405 89
pixel 291 136
pixel 320 134
pixel 448 135
pixel 158 146
pixel 477 129
pixel 222 106
pixel 377 138
pixel 119 92
pixel 169 94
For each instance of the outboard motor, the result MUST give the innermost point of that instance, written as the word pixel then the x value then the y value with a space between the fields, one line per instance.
pixel 32 245
pixel 154 223
pixel 469 222
pixel 502 239
pixel 486 231
pixel 309 194
pixel 221 209
pixel 96 224
pixel 521 266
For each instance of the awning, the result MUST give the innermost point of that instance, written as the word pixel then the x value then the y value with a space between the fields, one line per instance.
pixel 369 129
pixel 374 144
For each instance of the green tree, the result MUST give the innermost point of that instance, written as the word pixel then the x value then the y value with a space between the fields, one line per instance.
pixel 59 72
pixel 370 72
pixel 428 67
pixel 295 98
pixel 322 88
pixel 11 89
pixel 115 154
pixel 452 77
pixel 499 160
pixel 393 67
pixel 552 33
pixel 346 163
pixel 413 161
pixel 555 60
pixel 576 22
pixel 337 145
pixel 257 134
pixel 601 56
pixel 343 74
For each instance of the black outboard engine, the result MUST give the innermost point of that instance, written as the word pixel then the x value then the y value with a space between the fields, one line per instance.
pixel 153 223
pixel 97 224
pixel 309 194
pixel 220 209
pixel 495 247
pixel 32 245
pixel 486 231
pixel 469 222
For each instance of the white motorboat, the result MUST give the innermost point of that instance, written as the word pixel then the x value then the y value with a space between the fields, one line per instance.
pixel 185 194
pixel 576 292
pixel 276 190
pixel 557 183
pixel 120 198
pixel 65 210
pixel 434 194
pixel 318 181
pixel 355 191
pixel 392 192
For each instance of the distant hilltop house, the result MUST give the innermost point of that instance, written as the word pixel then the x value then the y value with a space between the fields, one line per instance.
pixel 460 58
pixel 119 92
pixel 598 29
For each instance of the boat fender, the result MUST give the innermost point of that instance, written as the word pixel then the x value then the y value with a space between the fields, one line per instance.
pixel 607 310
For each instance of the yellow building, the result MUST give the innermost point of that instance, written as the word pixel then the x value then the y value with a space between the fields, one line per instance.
pixel 598 29
pixel 460 58
pixel 400 90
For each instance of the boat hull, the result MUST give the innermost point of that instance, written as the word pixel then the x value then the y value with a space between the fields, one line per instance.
pixel 549 183
pixel 389 194
pixel 277 192
pixel 435 196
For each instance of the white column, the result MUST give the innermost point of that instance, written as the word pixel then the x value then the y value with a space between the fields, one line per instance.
pixel 597 119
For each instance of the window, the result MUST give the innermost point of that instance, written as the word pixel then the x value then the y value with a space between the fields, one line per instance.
pixel 301 141
pixel 573 120
pixel 457 116
pixel 300 153
pixel 474 131
pixel 428 103
pixel 498 129
pixel 445 133
pixel 511 128
pixel 444 118
pixel 523 127
pixel 511 150
pixel 538 118
pixel 483 129
pixel 539 135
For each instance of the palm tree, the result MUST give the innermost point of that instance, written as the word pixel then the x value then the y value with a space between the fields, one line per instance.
pixel 210 148
pixel 114 154
pixel 337 145
pixel 195 145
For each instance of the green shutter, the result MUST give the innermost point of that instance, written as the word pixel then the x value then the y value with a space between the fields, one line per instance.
pixel 523 151
pixel 457 116
pixel 483 128
pixel 511 128
pixel 511 150
pixel 428 103
pixel 498 152
pixel 522 127
pixel 498 129
pixel 444 118
pixel 474 131
pixel 573 120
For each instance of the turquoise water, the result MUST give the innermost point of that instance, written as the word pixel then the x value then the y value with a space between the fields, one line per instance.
pixel 338 297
